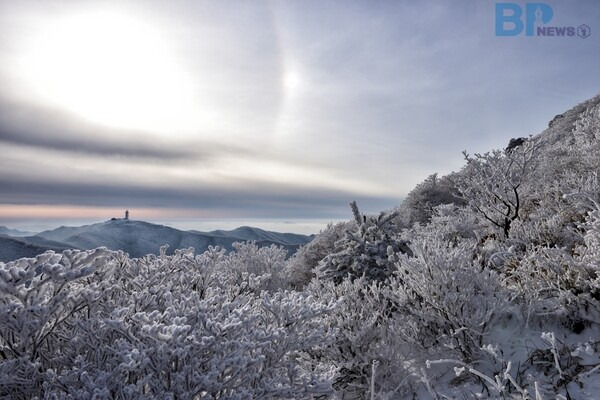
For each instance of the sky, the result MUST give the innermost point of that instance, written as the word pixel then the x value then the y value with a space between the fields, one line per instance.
pixel 214 114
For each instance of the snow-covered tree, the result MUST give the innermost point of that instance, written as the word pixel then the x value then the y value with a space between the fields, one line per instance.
pixel 300 269
pixel 365 251
pixel 493 183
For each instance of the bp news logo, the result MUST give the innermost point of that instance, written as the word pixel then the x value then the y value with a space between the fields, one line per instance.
pixel 512 20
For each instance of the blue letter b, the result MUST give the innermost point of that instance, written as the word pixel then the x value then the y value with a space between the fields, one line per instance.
pixel 514 18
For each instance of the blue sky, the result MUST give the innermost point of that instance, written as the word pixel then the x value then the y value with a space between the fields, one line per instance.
pixel 210 114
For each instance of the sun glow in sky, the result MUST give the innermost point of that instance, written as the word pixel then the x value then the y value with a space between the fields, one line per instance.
pixel 279 110
pixel 111 69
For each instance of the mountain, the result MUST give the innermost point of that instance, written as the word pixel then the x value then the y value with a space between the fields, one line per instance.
pixel 14 232
pixel 257 234
pixel 139 238
pixel 12 248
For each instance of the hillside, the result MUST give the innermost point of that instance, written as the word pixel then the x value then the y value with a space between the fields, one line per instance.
pixel 14 232
pixel 250 233
pixel 12 248
pixel 138 238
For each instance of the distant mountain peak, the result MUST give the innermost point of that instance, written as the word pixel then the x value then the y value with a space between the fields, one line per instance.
pixel 14 232
pixel 139 238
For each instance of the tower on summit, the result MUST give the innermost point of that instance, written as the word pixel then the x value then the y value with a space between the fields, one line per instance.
pixel 126 214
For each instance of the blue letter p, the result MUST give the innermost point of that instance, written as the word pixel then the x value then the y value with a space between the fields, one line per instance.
pixel 537 12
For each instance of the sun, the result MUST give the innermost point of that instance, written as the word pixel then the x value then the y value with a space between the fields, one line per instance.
pixel 292 81
pixel 110 69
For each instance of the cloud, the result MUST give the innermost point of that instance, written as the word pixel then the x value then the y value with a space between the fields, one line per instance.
pixel 254 199
pixel 45 128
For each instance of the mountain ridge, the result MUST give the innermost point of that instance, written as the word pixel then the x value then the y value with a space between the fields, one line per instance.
pixel 138 238
pixel 14 232
pixel 12 248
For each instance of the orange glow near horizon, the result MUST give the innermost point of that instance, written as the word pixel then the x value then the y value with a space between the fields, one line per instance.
pixel 44 211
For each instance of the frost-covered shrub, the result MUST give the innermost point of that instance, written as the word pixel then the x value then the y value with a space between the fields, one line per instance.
pixel 419 204
pixel 253 268
pixel 560 276
pixel 447 298
pixel 300 268
pixel 449 223
pixel 556 281
pixel 440 301
pixel 556 208
pixel 366 251
pixel 362 321
pixel 590 252
pixel 40 301
pixel 546 279
pixel 97 324
pixel 203 348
